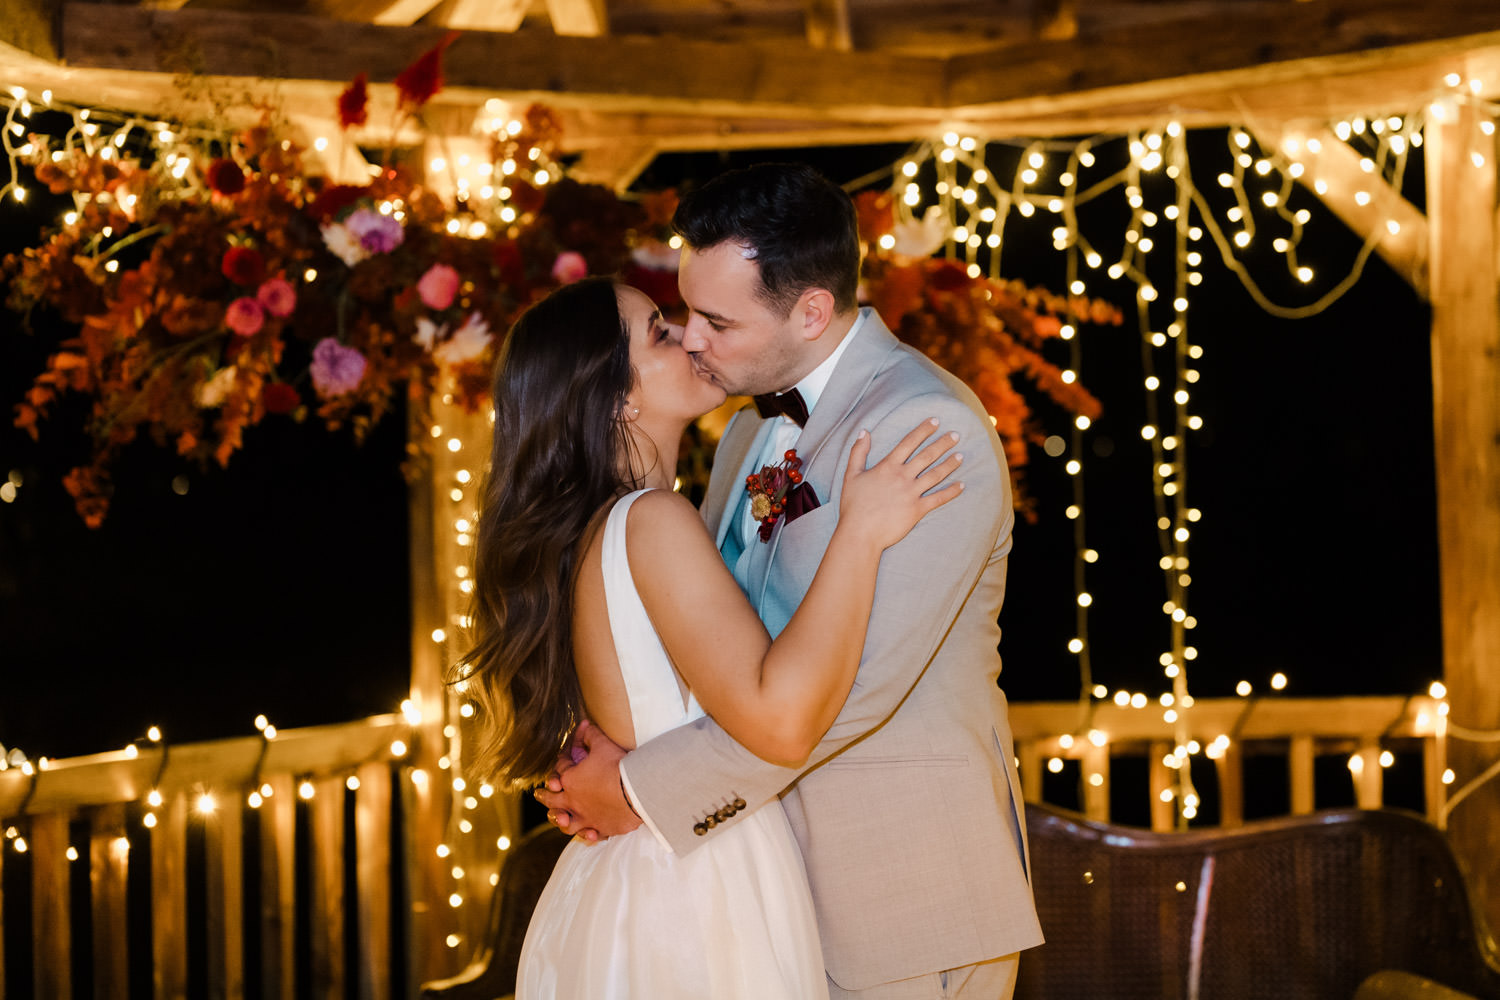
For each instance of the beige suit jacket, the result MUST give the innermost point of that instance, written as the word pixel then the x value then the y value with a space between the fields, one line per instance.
pixel 909 816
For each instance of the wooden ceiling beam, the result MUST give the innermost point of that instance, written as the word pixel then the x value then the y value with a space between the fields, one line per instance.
pixel 828 25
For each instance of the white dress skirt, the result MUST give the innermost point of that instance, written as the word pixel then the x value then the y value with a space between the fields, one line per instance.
pixel 626 918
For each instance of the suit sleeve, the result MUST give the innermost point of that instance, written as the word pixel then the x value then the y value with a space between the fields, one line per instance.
pixel 685 776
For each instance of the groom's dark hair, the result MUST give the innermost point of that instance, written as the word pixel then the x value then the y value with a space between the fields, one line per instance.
pixel 801 226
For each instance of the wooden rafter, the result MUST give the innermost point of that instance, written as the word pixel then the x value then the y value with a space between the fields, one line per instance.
pixel 828 25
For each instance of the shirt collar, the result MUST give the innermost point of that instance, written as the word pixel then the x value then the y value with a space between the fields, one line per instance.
pixel 815 381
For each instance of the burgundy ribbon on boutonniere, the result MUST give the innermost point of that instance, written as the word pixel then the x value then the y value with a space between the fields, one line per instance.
pixel 778 493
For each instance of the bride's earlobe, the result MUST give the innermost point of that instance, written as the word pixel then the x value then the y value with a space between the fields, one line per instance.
pixel 628 412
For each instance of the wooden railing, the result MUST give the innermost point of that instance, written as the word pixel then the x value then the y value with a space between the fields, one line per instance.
pixel 216 869
pixel 1365 732
pixel 320 888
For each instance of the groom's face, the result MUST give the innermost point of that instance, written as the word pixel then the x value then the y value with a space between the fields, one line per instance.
pixel 737 341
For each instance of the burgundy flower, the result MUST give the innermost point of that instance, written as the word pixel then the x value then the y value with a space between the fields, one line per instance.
pixel 334 199
pixel 353 102
pixel 336 369
pixel 418 82
pixel 949 276
pixel 225 177
pixel 280 398
pixel 244 316
pixel 243 266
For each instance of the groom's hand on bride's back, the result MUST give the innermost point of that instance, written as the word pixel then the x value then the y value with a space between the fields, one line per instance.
pixel 584 796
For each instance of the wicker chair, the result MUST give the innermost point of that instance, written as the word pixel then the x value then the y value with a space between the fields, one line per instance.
pixel 1324 907
pixel 1303 907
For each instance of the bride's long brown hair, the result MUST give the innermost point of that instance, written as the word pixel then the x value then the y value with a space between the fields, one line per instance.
pixel 560 382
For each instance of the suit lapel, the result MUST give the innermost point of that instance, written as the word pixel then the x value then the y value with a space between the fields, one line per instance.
pixel 862 361
pixel 737 450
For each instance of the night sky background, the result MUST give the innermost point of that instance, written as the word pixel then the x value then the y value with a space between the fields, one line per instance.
pixel 280 584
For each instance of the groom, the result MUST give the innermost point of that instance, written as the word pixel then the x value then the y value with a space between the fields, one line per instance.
pixel 909 811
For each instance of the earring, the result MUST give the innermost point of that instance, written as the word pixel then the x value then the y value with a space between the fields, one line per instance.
pixel 636 411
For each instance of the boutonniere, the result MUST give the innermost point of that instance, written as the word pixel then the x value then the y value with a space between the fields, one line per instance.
pixel 778 491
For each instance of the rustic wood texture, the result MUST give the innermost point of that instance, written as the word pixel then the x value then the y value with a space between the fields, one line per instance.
pixel 224 869
pixel 278 888
pixel 327 910
pixel 169 899
pixel 372 851
pixel 51 909
pixel 109 871
pixel 1461 200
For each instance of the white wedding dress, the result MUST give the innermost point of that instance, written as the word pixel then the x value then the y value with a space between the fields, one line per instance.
pixel 626 919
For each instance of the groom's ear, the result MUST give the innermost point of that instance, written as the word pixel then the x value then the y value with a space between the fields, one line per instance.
pixel 815 307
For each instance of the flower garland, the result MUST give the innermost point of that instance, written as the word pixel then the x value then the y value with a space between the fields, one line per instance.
pixel 217 286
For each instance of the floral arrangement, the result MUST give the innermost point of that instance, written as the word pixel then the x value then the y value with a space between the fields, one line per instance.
pixel 221 285
pixel 988 332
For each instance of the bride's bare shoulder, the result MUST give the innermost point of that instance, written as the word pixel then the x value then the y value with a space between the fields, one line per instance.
pixel 662 521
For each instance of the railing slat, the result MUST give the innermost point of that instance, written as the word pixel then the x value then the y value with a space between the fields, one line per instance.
pixel 1434 792
pixel 1300 762
pixel 1163 810
pixel 278 888
pixel 109 870
pixel 372 846
pixel 1231 771
pixel 1369 782
pixel 327 932
pixel 1096 795
pixel 169 898
pixel 225 869
pixel 51 918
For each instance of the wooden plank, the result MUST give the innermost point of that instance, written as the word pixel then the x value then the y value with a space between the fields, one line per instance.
pixel 1031 770
pixel 117 776
pixel 30 26
pixel 224 864
pixel 581 18
pixel 1369 776
pixel 109 872
pixel 1231 772
pixel 616 166
pixel 1095 777
pixel 327 930
pixel 1331 160
pixel 1300 761
pixel 377 11
pixel 372 832
pixel 828 25
pixel 1163 810
pixel 51 909
pixel 480 15
pixel 1434 792
pixel 1461 205
pixel 169 899
pixel 278 889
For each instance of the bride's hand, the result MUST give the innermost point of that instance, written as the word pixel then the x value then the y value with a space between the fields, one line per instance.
pixel 885 501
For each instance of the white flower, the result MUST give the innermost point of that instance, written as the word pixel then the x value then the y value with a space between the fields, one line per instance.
pixel 428 333
pixel 212 392
pixel 344 244
pixel 467 343
pixel 656 255
pixel 921 237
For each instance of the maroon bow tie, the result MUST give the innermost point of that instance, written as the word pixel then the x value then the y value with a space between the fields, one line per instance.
pixel 788 404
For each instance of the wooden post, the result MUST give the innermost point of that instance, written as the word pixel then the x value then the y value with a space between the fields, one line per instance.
pixel 327 930
pixel 169 898
pixel 1031 770
pixel 51 920
pixel 109 869
pixel 1369 781
pixel 278 889
pixel 372 835
pixel 1461 207
pixel 1300 760
pixel 1095 779
pixel 225 864
pixel 1163 810
pixel 1231 773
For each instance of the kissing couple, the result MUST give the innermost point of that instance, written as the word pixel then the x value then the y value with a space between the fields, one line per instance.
pixel 785 758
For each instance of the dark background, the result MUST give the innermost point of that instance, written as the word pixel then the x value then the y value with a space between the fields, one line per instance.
pixel 280 584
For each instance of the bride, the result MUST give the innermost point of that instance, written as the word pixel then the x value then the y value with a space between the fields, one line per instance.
pixel 601 595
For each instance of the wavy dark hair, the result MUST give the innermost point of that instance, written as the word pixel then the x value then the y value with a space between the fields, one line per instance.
pixel 802 226
pixel 560 381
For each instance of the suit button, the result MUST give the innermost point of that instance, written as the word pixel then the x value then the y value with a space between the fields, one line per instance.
pixel 739 804
pixel 722 815
pixel 700 828
pixel 711 821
